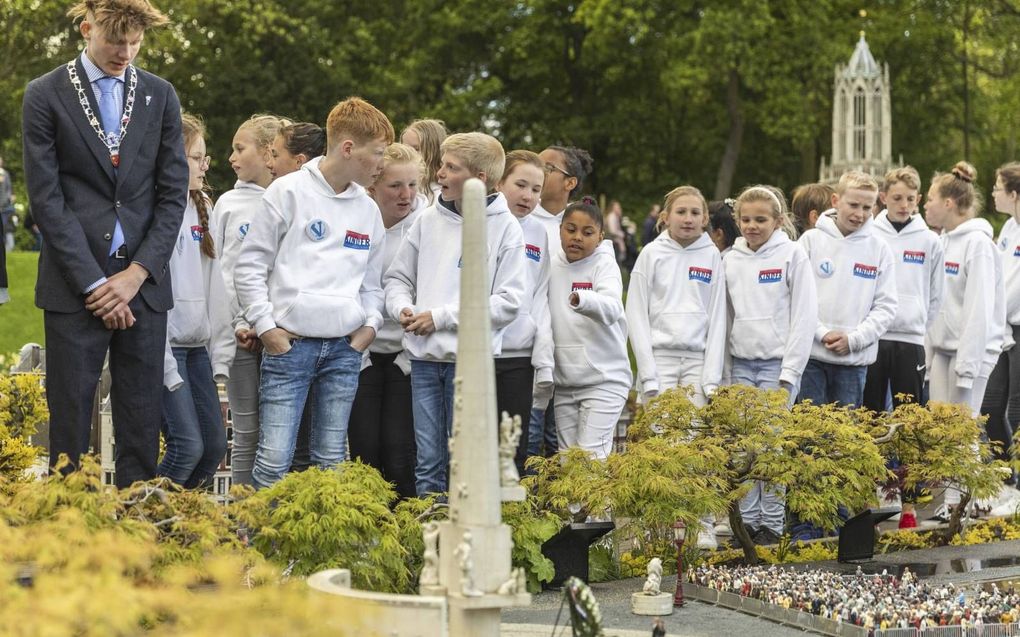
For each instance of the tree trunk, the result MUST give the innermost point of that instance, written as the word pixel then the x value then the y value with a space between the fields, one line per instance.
pixel 728 165
pixel 743 537
pixel 956 517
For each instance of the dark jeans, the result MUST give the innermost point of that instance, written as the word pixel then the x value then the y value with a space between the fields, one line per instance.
pixel 542 437
pixel 196 439
pixel 381 431
pixel 432 405
pixel 824 383
pixel 515 382
pixel 899 368
pixel 1002 399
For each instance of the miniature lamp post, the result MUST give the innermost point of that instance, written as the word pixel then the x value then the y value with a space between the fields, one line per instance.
pixel 679 535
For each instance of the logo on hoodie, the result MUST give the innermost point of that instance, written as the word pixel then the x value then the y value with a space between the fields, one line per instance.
pixel 865 271
pixel 317 230
pixel 952 268
pixel 533 252
pixel 910 256
pixel 770 276
pixel 580 285
pixel 242 231
pixel 1016 251
pixel 357 241
pixel 699 274
pixel 196 233
pixel 826 268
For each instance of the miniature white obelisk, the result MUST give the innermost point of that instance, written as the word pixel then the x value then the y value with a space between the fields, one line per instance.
pixel 474 544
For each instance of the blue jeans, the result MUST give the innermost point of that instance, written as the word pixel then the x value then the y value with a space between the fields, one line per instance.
pixel 196 439
pixel 330 366
pixel 432 408
pixel 763 374
pixel 824 383
pixel 542 431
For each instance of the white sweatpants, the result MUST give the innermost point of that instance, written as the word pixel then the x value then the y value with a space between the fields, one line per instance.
pixel 586 418
pixel 682 371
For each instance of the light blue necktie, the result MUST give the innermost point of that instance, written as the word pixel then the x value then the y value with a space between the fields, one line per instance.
pixel 109 113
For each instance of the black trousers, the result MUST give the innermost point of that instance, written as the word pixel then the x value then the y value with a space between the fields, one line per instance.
pixel 381 429
pixel 515 383
pixel 899 366
pixel 76 345
pixel 1002 399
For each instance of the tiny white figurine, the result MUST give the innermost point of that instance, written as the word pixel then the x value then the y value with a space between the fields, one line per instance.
pixel 653 583
pixel 467 567
pixel 509 438
pixel 430 567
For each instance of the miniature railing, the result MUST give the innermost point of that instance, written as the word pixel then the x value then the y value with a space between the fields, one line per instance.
pixel 984 630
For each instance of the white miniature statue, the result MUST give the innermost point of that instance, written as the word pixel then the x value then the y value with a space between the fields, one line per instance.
pixel 467 567
pixel 653 583
pixel 509 438
pixel 517 583
pixel 430 567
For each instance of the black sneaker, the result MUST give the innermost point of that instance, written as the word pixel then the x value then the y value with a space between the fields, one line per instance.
pixel 766 536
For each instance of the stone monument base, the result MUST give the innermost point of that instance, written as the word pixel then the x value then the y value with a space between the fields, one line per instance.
pixel 658 605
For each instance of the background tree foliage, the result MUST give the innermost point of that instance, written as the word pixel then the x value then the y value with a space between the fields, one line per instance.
pixel 718 94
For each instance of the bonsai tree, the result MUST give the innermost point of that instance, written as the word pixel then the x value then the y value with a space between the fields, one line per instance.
pixel 821 455
pixel 941 445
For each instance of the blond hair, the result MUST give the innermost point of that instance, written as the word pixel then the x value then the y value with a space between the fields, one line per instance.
pixel 776 201
pixel 958 185
pixel 264 128
pixel 431 133
pixel 119 17
pixel 517 158
pixel 480 153
pixel 906 175
pixel 193 129
pixel 856 180
pixel 357 120
pixel 400 154
pixel 670 199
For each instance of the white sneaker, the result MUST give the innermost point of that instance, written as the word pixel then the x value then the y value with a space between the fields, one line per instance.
pixel 706 540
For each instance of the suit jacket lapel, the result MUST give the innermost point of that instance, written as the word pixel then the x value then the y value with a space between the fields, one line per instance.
pixel 70 99
pixel 140 116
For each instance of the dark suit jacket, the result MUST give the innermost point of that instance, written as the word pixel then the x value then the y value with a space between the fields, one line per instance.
pixel 76 196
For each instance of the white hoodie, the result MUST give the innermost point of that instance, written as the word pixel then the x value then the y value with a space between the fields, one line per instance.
pixel 676 307
pixel 590 339
pixel 917 263
pixel 1009 245
pixel 390 338
pixel 856 288
pixel 201 315
pixel 425 276
pixel 312 260
pixel 973 315
pixel 530 334
pixel 551 223
pixel 772 307
pixel 232 217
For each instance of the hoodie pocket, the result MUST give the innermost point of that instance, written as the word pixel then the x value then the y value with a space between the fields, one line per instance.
pixel 322 315
pixel 911 313
pixel 574 368
pixel 187 324
pixel 684 330
pixel 758 337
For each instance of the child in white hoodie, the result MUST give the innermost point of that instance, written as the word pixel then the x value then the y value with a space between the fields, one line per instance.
pixel 198 328
pixel 592 373
pixel 524 366
pixel 676 303
pixel 917 263
pixel 308 278
pixel 773 312
pixel 423 292
pixel 856 293
pixel 231 218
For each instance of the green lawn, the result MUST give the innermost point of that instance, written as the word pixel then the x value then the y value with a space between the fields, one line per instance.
pixel 20 320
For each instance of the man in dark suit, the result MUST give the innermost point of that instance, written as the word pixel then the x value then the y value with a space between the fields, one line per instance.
pixel 107 181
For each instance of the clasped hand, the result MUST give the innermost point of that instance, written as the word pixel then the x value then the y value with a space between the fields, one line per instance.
pixel 110 300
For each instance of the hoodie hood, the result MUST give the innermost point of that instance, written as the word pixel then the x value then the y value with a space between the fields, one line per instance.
pixel 827 224
pixel 915 224
pixel 603 248
pixel 352 191
pixel 979 224
pixel 666 242
pixel 248 185
pixel 495 204
pixel 778 239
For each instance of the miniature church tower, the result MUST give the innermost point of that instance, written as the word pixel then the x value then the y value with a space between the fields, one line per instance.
pixel 861 119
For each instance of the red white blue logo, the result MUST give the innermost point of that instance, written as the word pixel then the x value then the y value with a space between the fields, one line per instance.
pixel 196 233
pixel 913 256
pixel 770 276
pixel 699 274
pixel 580 285
pixel 865 271
pixel 952 268
pixel 1016 251
pixel 357 241
pixel 533 252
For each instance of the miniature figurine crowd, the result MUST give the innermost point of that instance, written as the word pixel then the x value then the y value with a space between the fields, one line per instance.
pixel 871 601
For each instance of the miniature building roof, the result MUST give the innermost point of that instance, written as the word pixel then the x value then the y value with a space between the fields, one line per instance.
pixel 862 63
